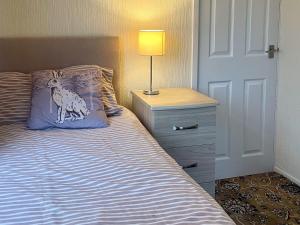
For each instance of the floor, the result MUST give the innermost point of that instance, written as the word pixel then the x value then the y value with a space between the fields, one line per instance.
pixel 267 198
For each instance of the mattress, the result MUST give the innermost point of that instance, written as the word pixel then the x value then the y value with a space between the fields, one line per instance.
pixel 115 175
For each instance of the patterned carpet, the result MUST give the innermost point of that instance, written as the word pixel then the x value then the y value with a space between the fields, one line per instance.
pixel 260 199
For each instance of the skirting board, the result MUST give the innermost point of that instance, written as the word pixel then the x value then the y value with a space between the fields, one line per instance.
pixel 287 175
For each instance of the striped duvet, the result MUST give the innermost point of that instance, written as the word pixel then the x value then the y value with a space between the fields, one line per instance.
pixel 116 175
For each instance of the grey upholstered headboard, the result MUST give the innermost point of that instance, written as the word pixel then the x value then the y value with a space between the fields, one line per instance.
pixel 30 54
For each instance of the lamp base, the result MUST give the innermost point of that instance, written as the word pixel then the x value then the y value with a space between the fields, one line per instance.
pixel 151 92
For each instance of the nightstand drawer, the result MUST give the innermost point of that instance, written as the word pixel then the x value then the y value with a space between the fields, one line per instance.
pixel 197 161
pixel 184 121
pixel 184 140
pixel 201 176
pixel 209 187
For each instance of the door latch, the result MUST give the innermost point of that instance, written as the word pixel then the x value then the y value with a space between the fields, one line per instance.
pixel 272 50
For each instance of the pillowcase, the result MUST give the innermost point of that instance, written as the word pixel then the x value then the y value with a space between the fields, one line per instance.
pixel 67 98
pixel 109 99
pixel 15 96
pixel 108 96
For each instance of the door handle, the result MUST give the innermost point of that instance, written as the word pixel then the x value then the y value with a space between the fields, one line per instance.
pixel 272 50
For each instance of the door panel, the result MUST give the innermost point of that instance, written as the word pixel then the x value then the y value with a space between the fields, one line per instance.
pixel 254 107
pixel 234 68
pixel 221 28
pixel 222 92
pixel 257 26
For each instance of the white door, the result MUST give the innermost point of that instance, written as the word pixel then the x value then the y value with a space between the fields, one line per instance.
pixel 235 69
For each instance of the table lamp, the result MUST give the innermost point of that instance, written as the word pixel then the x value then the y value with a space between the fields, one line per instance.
pixel 151 43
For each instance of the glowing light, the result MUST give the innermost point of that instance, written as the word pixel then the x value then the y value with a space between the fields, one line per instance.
pixel 152 42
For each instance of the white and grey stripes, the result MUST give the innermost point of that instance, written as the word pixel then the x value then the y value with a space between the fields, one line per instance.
pixel 15 97
pixel 112 176
pixel 109 100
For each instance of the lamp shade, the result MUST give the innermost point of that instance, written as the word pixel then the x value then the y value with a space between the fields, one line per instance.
pixel 151 42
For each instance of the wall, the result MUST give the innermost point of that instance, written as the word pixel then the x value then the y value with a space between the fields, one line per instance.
pixel 123 18
pixel 288 108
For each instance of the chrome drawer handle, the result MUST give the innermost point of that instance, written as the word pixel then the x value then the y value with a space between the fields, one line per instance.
pixel 190 166
pixel 185 128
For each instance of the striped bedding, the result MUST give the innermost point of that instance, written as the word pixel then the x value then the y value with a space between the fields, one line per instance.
pixel 116 175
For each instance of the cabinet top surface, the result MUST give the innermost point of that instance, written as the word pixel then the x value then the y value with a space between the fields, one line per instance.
pixel 175 98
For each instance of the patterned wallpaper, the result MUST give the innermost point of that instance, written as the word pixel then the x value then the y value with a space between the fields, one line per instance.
pixel 123 18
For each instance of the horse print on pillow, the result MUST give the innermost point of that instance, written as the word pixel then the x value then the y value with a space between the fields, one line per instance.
pixel 67 98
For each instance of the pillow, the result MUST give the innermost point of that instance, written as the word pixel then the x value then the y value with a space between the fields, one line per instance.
pixel 109 100
pixel 67 98
pixel 108 96
pixel 15 95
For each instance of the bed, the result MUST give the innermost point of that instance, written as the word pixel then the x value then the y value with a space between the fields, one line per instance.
pixel 114 175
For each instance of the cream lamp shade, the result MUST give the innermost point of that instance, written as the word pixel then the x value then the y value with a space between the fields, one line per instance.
pixel 152 42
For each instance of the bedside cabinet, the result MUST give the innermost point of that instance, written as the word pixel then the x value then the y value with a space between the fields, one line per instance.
pixel 183 122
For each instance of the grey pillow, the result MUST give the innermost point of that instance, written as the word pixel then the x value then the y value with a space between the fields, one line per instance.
pixel 67 98
pixel 109 100
pixel 108 96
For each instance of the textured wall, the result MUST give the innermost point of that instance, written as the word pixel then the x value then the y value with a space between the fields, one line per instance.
pixel 123 18
pixel 288 106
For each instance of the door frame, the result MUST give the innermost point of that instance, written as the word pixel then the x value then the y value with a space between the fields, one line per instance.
pixel 195 48
pixel 195 44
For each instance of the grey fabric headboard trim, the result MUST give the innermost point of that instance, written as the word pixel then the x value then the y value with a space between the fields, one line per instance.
pixel 31 54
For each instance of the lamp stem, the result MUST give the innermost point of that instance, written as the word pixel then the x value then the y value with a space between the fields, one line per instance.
pixel 151 73
pixel 151 91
